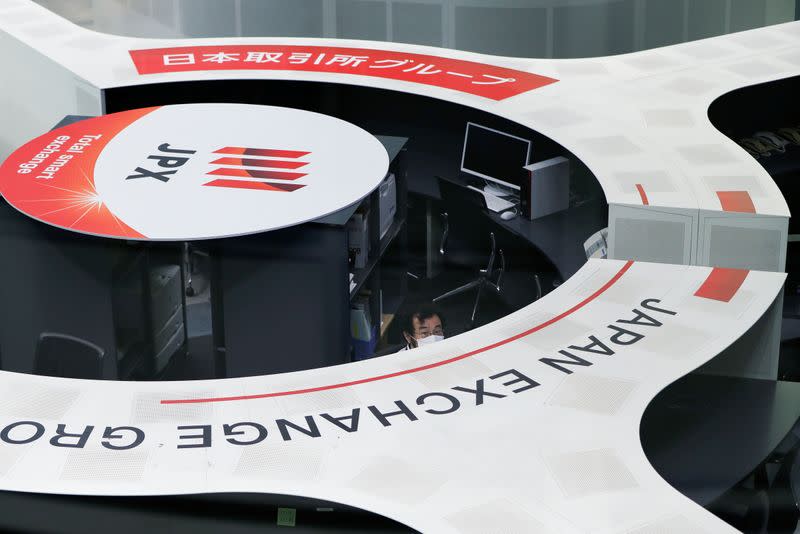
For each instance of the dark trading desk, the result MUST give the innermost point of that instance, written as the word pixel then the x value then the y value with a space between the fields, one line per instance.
pixel 704 434
pixel 559 236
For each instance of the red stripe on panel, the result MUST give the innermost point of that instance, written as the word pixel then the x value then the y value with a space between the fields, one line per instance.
pixel 247 173
pixel 269 152
pixel 274 163
pixel 642 194
pixel 736 201
pixel 260 186
pixel 480 350
pixel 722 284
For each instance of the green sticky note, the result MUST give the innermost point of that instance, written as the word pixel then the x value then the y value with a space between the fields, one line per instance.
pixel 287 517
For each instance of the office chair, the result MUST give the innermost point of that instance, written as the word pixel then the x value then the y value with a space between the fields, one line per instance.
pixel 785 494
pixel 455 195
pixel 66 356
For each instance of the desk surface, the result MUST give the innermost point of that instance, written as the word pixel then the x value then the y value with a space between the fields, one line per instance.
pixel 193 171
pixel 705 433
pixel 393 146
pixel 559 236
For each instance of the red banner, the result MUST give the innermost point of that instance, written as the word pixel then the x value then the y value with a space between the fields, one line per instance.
pixel 52 177
pixel 481 79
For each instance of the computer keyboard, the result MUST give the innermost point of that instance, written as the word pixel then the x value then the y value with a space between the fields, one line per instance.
pixel 494 203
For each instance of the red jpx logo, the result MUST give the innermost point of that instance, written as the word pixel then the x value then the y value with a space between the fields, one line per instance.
pixel 266 173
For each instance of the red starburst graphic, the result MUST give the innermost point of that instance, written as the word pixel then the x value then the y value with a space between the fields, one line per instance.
pixel 59 185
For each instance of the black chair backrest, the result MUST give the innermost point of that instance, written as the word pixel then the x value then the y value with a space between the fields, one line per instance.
pixel 794 478
pixel 467 242
pixel 67 357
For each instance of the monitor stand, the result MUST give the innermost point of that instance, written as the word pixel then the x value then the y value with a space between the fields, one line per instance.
pixel 497 190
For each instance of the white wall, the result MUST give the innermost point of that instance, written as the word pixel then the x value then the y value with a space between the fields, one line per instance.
pixel 29 106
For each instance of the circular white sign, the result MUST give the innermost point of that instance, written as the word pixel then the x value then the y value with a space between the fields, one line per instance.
pixel 193 171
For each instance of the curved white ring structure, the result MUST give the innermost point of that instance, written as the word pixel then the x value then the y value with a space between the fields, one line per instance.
pixel 492 429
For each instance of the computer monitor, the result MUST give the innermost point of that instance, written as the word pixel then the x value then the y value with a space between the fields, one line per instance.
pixel 494 155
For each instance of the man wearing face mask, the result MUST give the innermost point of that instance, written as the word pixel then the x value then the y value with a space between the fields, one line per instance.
pixel 422 327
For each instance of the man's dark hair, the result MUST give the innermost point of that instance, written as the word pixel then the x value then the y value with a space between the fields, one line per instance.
pixel 421 313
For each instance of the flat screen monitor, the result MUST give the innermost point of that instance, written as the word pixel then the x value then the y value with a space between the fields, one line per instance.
pixel 494 155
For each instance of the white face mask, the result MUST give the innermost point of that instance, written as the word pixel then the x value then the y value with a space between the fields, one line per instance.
pixel 427 340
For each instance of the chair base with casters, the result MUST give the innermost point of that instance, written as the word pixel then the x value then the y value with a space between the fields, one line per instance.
pixel 484 279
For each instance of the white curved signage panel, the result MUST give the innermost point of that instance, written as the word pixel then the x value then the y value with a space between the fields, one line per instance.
pixel 532 420
pixel 194 171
